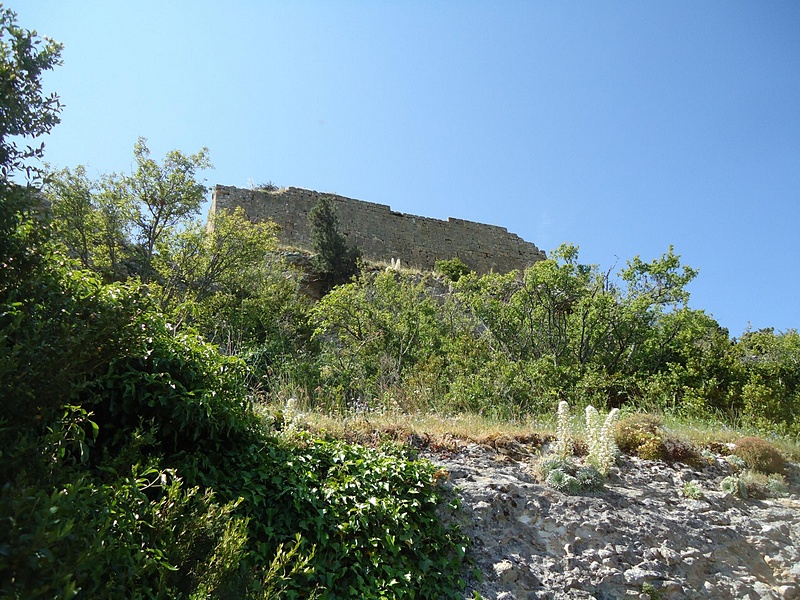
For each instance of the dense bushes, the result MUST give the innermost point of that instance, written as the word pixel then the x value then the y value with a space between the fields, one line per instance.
pixel 368 519
pixel 118 454
pixel 516 344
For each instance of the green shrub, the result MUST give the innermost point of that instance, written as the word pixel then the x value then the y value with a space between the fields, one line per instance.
pixel 759 455
pixel 734 486
pixel 370 517
pixel 649 590
pixel 110 539
pixel 692 490
pixel 454 269
pixel 563 475
pixel 334 259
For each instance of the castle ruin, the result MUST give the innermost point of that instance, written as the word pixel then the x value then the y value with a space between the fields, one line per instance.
pixel 383 234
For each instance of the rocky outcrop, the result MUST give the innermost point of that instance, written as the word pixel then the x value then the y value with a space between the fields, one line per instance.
pixel 639 538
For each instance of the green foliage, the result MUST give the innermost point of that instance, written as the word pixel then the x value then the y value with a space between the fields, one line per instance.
pixel 119 460
pixel 649 590
pixel 122 225
pixel 164 196
pixel 590 479
pixel 379 329
pixel 759 455
pixel 91 221
pixel 224 256
pixel 69 530
pixel 334 259
pixel 563 482
pixel 25 111
pixel 591 331
pixel 227 282
pixel 734 486
pixel 371 517
pixel 770 365
pixel 454 269
pixel 224 278
pixel 59 326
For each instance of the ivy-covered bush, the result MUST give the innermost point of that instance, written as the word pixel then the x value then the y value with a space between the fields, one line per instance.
pixel 146 471
pixel 369 520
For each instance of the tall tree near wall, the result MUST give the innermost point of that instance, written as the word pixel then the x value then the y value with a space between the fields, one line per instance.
pixel 335 260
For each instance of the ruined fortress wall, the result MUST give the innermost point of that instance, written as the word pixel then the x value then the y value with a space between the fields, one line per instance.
pixel 383 234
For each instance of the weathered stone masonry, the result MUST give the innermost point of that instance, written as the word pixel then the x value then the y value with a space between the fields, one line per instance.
pixel 383 234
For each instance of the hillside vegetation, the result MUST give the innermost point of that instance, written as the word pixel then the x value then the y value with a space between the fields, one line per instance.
pixel 151 368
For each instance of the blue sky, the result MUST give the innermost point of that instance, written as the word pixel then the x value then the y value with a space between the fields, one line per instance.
pixel 621 127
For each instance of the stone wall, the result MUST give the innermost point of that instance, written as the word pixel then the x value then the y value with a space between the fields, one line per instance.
pixel 383 234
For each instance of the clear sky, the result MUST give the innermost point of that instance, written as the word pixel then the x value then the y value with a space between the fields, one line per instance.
pixel 619 126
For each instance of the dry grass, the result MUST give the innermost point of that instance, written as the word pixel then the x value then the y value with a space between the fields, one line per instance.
pixel 717 435
pixel 425 429
pixel 447 432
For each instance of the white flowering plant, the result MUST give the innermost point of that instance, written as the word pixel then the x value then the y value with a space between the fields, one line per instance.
pixel 560 473
pixel 563 445
pixel 603 451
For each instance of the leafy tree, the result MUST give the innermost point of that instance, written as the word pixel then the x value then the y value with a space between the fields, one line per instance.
pixel 381 326
pixel 226 280
pixel 75 215
pixel 164 197
pixel 92 220
pixel 25 111
pixel 222 277
pixel 334 259
pixel 770 364
pixel 593 329
pixel 118 225
pixel 226 255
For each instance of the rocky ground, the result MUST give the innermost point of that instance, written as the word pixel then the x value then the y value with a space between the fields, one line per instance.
pixel 640 538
